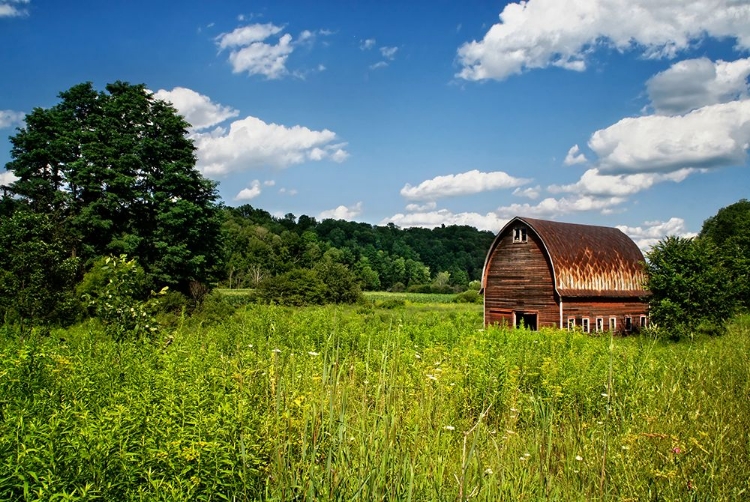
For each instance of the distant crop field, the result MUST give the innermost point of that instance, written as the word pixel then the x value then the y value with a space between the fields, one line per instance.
pixel 357 403
pixel 421 298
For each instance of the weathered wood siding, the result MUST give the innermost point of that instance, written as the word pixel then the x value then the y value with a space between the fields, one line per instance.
pixel 580 308
pixel 519 278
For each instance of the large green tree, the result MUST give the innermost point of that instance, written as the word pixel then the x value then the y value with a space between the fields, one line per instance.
pixel 689 285
pixel 116 171
pixel 729 230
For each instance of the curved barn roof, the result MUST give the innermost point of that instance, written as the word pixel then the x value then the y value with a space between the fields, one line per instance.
pixel 587 260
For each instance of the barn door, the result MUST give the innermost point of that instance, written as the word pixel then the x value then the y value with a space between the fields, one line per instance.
pixel 526 320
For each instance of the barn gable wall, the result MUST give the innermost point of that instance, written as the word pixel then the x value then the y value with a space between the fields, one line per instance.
pixel 518 277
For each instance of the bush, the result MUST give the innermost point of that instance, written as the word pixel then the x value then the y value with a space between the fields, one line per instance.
pixel 469 296
pixel 391 303
pixel 112 292
pixel 296 288
pixel 342 285
pixel 214 309
pixel 398 287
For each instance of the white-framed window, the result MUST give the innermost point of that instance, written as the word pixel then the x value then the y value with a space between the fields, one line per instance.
pixel 613 324
pixel 571 323
pixel 519 234
pixel 599 324
pixel 585 325
pixel 644 321
pixel 628 323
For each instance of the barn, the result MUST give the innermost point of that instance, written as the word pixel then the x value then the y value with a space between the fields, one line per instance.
pixel 548 274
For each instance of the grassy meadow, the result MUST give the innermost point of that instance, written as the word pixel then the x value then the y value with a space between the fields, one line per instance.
pixel 365 403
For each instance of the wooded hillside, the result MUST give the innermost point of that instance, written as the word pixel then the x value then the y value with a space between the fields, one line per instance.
pixel 258 245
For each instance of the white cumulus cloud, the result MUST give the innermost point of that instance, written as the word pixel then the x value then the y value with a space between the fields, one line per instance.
pixel 342 212
pixel 10 118
pixel 529 193
pixel 542 33
pixel 653 231
pixel 250 192
pixel 470 182
pixel 693 83
pixel 367 44
pixel 263 49
pixel 574 156
pixel 247 35
pixel 13 8
pixel 197 109
pixel 551 207
pixel 432 219
pixel 594 183
pixel 252 143
pixel 709 137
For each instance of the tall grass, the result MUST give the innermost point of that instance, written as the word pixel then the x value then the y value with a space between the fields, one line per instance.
pixel 349 404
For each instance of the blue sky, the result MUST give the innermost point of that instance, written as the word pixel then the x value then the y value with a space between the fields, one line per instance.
pixel 629 113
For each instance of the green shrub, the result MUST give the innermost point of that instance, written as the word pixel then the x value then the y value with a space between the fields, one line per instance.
pixel 214 309
pixel 112 291
pixel 297 287
pixel 391 303
pixel 469 296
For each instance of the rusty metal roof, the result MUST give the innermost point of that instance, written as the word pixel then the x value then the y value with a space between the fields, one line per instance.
pixel 589 261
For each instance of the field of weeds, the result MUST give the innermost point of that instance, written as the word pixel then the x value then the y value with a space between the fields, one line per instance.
pixel 353 403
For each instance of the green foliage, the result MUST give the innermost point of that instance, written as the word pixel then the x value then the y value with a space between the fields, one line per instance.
pixel 327 282
pixel 416 403
pixel 729 230
pixel 341 284
pixel 115 172
pixel 36 275
pixel 689 285
pixel 382 257
pixel 113 290
pixel 215 308
pixel 297 287
pixel 469 296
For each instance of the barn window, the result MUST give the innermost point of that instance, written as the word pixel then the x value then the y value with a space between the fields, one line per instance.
pixel 644 321
pixel 612 323
pixel 585 325
pixel 599 324
pixel 571 323
pixel 628 323
pixel 519 234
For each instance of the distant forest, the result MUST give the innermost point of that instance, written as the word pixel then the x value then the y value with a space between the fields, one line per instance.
pixel 258 246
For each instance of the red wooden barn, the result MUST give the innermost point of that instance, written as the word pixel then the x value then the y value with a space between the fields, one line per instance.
pixel 547 274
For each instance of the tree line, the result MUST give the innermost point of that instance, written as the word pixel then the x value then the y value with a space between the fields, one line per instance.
pixel 259 245
pixel 108 208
